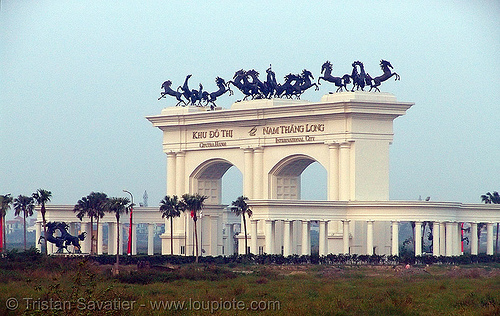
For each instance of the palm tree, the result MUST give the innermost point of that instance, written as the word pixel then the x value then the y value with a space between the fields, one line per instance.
pixel 26 205
pixel 240 207
pixel 117 206
pixel 41 197
pixel 5 202
pixel 91 206
pixel 170 207
pixel 194 203
pixel 98 200
pixel 494 198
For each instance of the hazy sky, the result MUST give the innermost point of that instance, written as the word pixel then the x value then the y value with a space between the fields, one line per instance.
pixel 77 79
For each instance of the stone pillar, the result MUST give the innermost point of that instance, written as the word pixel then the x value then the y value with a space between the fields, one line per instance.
pixel 442 239
pixel 86 244
pixel 489 238
pixel 344 171
pixel 100 238
pixel 258 176
pixel 171 174
pixel 474 241
pixel 254 245
pixel 418 238
pixel 287 238
pixel 345 236
pixel 454 237
pixel 248 173
pixel 449 239
pixel 134 239
pixel 231 240
pixel 305 238
pixel 333 172
pixel 269 237
pixel 322 238
pixel 38 234
pixel 435 239
pixel 395 238
pixel 111 238
pixel 180 173
pixel 214 235
pixel 369 238
pixel 151 236
pixel 122 238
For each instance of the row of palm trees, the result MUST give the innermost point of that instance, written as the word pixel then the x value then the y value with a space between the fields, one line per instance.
pixel 172 206
pixel 26 205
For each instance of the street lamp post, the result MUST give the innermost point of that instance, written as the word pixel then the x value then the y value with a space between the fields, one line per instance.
pixel 129 246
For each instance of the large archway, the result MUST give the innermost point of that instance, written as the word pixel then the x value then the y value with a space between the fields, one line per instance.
pixel 286 182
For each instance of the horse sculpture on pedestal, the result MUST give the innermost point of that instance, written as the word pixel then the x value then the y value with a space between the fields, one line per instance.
pixel 65 239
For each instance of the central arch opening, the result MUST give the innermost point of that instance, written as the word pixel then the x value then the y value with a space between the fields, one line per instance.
pixel 298 177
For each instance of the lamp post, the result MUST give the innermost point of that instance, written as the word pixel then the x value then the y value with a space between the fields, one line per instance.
pixel 129 246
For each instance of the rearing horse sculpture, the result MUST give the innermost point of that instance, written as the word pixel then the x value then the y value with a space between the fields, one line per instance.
pixel 386 68
pixel 339 82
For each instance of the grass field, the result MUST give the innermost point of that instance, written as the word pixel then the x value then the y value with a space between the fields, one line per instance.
pixel 77 286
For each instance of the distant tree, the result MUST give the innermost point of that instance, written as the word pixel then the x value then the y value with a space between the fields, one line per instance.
pixel 41 197
pixel 5 202
pixel 240 207
pixel 194 203
pixel 26 205
pixel 170 207
pixel 494 198
pixel 91 206
pixel 117 206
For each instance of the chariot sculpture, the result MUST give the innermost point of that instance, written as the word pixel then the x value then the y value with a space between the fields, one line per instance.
pixel 294 85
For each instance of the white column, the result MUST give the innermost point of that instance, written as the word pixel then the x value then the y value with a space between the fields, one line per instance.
pixel 345 236
pixel 134 239
pixel 322 238
pixel 442 239
pixel 395 238
pixel 435 239
pixel 248 173
pixel 111 238
pixel 213 235
pixel 100 238
pixel 418 238
pixel 455 239
pixel 151 236
pixel 474 240
pixel 254 245
pixel 180 174
pixel 305 238
pixel 87 242
pixel 122 238
pixel 258 173
pixel 231 239
pixel 171 174
pixel 38 234
pixel 344 171
pixel 333 172
pixel 369 238
pixel 489 238
pixel 449 239
pixel 269 237
pixel 287 238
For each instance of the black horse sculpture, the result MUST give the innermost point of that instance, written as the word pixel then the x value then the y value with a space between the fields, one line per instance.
pixel 168 91
pixel 377 81
pixel 358 79
pixel 340 82
pixel 223 88
pixel 65 239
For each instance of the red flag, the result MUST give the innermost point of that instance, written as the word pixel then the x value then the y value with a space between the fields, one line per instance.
pixel 192 214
